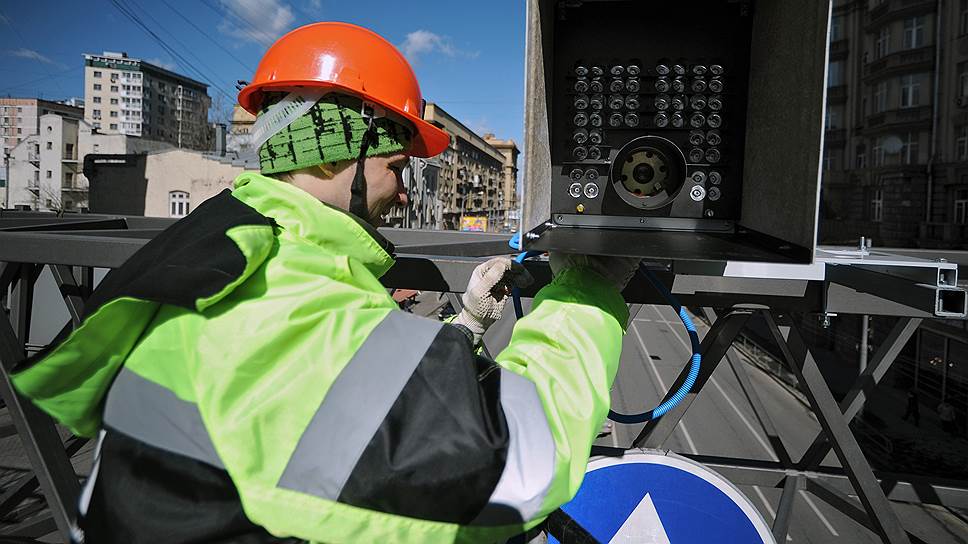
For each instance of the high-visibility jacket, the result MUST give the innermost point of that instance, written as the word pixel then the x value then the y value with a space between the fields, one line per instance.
pixel 256 382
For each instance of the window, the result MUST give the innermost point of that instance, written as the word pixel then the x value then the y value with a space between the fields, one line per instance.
pixel 880 154
pixel 910 91
pixel 961 206
pixel 178 201
pixel 913 32
pixel 836 27
pixel 882 45
pixel 20 109
pixel 114 101
pixel 114 77
pixel 861 156
pixel 20 130
pixel 961 143
pixel 880 97
pixel 69 150
pixel 97 86
pixel 876 205
pixel 114 126
pixel 114 113
pixel 827 160
pixel 69 177
pixel 835 73
pixel 97 73
pixel 97 126
pixel 97 99
pixel 50 145
pixel 832 121
pixel 49 174
pixel 909 148
pixel 114 88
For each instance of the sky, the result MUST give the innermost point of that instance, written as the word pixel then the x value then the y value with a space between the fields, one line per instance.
pixel 468 56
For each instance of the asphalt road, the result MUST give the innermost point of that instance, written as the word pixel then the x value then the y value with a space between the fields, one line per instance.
pixel 721 421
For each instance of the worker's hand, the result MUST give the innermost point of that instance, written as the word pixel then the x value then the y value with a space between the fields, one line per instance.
pixel 487 293
pixel 617 270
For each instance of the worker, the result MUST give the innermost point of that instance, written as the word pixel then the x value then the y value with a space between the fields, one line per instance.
pixel 250 379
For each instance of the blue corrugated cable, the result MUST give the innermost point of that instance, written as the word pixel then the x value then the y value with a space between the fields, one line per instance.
pixel 694 362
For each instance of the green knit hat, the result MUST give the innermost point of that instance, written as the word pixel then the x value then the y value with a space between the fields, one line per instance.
pixel 331 131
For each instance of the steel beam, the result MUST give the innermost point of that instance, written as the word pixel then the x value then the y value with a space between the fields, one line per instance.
pixel 831 419
pixel 784 511
pixel 70 290
pixel 40 439
pixel 854 401
pixel 714 345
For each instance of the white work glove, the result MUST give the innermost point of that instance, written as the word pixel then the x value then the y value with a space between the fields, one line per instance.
pixel 617 270
pixel 487 293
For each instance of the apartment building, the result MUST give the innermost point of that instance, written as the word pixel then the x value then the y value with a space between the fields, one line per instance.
pixel 124 95
pixel 20 118
pixel 508 193
pixel 44 168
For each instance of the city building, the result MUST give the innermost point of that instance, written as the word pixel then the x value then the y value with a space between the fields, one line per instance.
pixel 424 210
pixel 238 139
pixel 124 95
pixel 896 141
pixel 20 118
pixel 166 183
pixel 44 171
pixel 508 193
pixel 471 178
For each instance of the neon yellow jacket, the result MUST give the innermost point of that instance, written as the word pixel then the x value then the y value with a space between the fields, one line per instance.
pixel 254 339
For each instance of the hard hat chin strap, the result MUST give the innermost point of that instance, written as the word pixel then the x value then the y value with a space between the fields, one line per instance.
pixel 358 188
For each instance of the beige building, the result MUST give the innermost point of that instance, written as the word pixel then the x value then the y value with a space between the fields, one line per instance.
pixel 239 137
pixel 470 180
pixel 124 95
pixel 20 118
pixel 508 192
pixel 44 168
pixel 180 180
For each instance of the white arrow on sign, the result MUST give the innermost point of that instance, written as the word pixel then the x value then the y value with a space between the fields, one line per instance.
pixel 642 526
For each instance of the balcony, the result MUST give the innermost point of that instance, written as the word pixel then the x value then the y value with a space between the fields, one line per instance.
pixel 33 156
pixel 899 118
pixel 896 9
pixel 73 187
pixel 908 60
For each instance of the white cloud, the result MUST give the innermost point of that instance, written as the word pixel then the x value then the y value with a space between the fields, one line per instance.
pixel 4 20
pixel 259 21
pixel 423 42
pixel 314 5
pixel 167 65
pixel 31 54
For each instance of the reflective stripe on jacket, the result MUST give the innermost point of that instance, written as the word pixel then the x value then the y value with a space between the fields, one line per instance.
pixel 280 359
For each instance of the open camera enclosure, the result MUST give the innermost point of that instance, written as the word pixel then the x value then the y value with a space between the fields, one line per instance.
pixel 652 188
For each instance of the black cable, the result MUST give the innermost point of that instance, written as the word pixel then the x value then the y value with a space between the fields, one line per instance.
pixel 209 38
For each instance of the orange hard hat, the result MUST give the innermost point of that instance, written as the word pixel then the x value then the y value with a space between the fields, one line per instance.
pixel 348 59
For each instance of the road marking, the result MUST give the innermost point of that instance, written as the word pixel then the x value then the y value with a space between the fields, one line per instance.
pixel 769 507
pixel 759 438
pixel 655 371
pixel 823 518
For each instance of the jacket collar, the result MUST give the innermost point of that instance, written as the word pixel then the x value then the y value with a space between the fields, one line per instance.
pixel 299 213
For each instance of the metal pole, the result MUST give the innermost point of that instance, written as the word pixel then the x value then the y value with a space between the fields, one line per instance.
pixel 864 341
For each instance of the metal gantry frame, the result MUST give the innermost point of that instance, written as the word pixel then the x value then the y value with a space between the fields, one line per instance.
pixel 729 294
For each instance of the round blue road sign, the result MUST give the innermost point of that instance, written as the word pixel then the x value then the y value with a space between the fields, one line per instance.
pixel 652 497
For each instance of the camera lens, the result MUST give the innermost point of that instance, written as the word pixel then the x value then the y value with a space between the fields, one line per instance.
pixel 697 120
pixel 678 120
